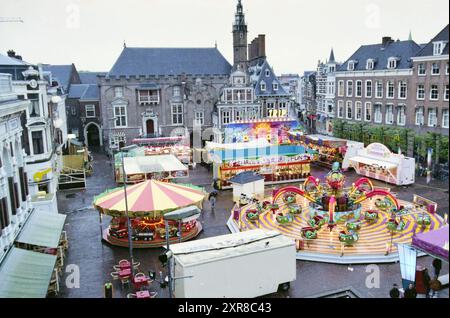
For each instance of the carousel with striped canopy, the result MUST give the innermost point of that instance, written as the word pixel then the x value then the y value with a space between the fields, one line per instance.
pixel 147 203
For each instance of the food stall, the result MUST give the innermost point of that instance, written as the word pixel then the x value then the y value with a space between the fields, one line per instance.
pixel 378 162
pixel 277 164
pixel 161 167
pixel 328 149
pixel 147 203
pixel 177 146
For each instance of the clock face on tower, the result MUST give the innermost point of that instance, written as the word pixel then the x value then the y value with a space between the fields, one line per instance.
pixel 33 83
pixel 238 80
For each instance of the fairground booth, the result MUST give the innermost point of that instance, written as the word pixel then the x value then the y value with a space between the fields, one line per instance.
pixel 378 162
pixel 147 203
pixel 142 164
pixel 328 150
pixel 276 163
pixel 177 146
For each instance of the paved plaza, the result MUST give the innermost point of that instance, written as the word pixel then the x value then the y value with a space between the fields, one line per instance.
pixel 95 259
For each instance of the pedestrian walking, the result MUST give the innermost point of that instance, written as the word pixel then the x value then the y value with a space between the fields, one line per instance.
pixel 411 292
pixel 437 265
pixel 435 286
pixel 395 292
pixel 212 199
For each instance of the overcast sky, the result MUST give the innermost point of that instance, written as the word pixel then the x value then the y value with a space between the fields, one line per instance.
pixel 90 33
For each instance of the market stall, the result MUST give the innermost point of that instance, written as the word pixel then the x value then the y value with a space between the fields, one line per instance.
pixel 328 149
pixel 249 184
pixel 147 203
pixel 162 167
pixel 378 162
pixel 140 166
pixel 277 164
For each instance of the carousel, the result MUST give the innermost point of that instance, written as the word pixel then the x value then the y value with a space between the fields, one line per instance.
pixel 147 203
pixel 338 224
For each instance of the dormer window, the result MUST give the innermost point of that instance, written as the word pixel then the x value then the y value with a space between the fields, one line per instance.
pixel 438 47
pixel 267 73
pixel 392 63
pixel 263 86
pixel 351 66
pixel 275 86
pixel 370 64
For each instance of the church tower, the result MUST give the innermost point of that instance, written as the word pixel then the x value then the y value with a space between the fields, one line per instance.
pixel 239 38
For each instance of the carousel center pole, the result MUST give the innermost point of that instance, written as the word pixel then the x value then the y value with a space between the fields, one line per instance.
pixel 130 242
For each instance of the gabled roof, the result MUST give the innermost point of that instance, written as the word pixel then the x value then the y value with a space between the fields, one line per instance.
pixel 62 73
pixel 427 50
pixel 246 177
pixel 402 50
pixel 269 81
pixel 6 60
pixel 84 92
pixel 90 77
pixel 170 61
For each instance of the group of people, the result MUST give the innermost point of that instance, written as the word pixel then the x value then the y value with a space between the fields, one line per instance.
pixel 424 284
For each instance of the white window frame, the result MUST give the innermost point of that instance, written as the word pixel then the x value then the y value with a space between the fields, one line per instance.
pixel 349 105
pixel 438 47
pixel 341 88
pixel 368 111
pixel 369 90
pixel 348 93
pixel 226 117
pixel 122 114
pixel 419 120
pixel 422 67
pixel 387 89
pixel 445 117
pixel 420 92
pixel 433 69
pixel 432 90
pixel 434 122
pixel 340 108
pixel 91 109
pixel 378 114
pixel 446 92
pixel 176 91
pixel 401 115
pixel 379 93
pixel 263 86
pixel 402 84
pixel 351 66
pixel 175 111
pixel 447 68
pixel 275 86
pixel 390 114
pixel 392 63
pixel 267 73
pixel 199 118
pixel 358 85
pixel 358 107
pixel 370 64
pixel 118 89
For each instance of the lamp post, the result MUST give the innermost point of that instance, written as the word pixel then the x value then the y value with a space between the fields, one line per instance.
pixel 130 241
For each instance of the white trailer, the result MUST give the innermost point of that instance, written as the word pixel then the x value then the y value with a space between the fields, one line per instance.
pixel 241 265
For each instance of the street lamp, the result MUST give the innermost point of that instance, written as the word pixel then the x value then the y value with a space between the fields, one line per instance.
pixel 189 213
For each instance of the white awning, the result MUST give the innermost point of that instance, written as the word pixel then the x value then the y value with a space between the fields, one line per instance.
pixel 373 162
pixel 153 164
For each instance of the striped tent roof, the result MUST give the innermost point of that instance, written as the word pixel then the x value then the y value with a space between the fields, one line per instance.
pixel 149 199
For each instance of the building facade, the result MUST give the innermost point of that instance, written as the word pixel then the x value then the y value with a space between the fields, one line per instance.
pixel 429 109
pixel 374 85
pixel 308 100
pixel 44 122
pixel 160 92
pixel 15 201
pixel 325 95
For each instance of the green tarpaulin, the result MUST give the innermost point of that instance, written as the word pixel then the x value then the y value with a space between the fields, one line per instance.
pixel 25 274
pixel 42 229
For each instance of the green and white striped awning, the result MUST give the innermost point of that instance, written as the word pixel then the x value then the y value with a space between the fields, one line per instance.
pixel 42 229
pixel 26 274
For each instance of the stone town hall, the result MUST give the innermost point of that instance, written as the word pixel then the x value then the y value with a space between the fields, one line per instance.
pixel 152 92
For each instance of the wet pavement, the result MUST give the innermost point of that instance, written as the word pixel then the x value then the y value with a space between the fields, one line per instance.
pixel 95 258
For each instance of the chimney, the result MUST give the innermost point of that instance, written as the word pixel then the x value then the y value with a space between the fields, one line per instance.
pixel 262 45
pixel 386 41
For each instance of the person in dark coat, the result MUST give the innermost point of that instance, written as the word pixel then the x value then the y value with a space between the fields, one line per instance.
pixel 437 265
pixel 411 292
pixel 394 293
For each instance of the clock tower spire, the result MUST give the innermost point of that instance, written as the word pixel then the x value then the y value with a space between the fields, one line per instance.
pixel 239 38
